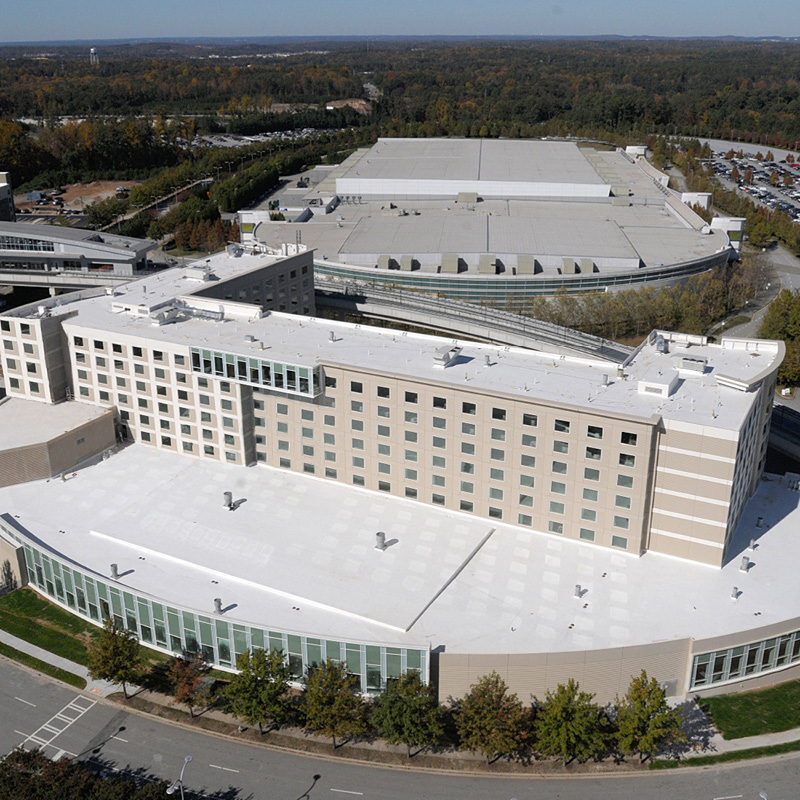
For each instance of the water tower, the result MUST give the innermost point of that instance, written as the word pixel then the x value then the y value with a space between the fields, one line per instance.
pixel 94 59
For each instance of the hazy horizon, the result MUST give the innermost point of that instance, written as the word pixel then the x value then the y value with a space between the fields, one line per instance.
pixel 182 19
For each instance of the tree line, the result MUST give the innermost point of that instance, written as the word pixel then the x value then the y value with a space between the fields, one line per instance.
pixel 692 306
pixel 782 321
pixel 489 720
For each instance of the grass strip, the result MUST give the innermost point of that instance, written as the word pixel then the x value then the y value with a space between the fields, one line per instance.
pixel 734 755
pixel 42 666
pixel 772 710
pixel 23 614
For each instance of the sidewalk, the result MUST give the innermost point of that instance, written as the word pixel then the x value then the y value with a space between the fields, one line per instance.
pixel 714 745
pixel 99 688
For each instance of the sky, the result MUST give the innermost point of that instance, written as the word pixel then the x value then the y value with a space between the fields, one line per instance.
pixel 48 20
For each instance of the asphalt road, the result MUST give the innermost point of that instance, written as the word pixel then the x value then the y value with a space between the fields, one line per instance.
pixel 72 723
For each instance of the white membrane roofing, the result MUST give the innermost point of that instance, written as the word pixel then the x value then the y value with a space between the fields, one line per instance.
pixel 299 555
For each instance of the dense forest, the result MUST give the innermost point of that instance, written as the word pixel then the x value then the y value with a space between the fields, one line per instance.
pixel 743 90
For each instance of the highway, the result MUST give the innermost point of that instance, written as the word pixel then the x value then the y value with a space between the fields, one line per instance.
pixel 72 723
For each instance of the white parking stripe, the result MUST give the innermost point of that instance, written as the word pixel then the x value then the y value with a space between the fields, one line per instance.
pixel 25 701
pixel 46 733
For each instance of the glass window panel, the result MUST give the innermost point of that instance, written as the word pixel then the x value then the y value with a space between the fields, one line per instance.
pixel 333 651
pixel 354 660
pixel 314 652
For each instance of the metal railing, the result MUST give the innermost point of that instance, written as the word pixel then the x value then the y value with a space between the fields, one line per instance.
pixel 449 313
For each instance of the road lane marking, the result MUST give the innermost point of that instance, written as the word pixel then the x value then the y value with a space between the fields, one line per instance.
pixel 120 739
pixel 25 701
pixel 729 797
pixel 45 734
pixel 227 769
pixel 345 791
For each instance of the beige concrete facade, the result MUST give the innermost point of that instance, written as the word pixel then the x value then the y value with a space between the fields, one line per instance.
pixel 605 673
pixel 56 455
pixel 613 477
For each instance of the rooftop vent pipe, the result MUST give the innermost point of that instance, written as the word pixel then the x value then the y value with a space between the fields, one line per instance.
pixel 745 565
pixel 217 605
pixel 227 500
pixel 578 591
pixel 380 541
pixel 735 593
pixel 114 571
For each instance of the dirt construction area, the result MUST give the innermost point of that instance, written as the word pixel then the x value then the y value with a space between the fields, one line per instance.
pixel 75 197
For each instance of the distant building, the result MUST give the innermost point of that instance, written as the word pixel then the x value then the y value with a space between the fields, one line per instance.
pixel 7 210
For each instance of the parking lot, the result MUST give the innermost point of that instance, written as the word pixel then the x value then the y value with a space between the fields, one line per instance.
pixel 773 184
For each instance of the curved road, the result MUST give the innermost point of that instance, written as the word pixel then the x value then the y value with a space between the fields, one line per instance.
pixel 71 723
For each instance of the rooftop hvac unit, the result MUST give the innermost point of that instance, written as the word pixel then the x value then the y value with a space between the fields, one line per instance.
pixel 445 356
pixel 694 364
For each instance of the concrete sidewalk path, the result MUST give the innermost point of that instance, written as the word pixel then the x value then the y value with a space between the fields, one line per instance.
pixel 98 688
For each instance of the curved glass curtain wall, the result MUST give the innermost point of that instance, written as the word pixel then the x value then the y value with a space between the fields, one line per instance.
pixel 745 661
pixel 177 630
pixel 514 291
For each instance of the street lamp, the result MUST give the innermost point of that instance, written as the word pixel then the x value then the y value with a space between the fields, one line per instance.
pixel 178 782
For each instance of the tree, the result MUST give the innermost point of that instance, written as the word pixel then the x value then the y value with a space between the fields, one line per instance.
pixel 490 719
pixel 26 774
pixel 8 580
pixel 114 656
pixel 408 713
pixel 569 725
pixel 104 212
pixel 645 722
pixel 186 675
pixel 258 692
pixel 331 705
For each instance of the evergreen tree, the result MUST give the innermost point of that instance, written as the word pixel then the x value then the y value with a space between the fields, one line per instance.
pixel 645 722
pixel 490 719
pixel 331 704
pixel 569 725
pixel 408 713
pixel 114 656
pixel 258 692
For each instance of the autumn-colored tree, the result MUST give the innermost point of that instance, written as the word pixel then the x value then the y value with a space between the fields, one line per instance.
pixel 490 719
pixel 186 675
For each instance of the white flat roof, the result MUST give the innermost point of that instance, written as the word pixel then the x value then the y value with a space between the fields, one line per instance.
pixel 481 233
pixel 26 422
pixel 521 161
pixel 533 375
pixel 299 555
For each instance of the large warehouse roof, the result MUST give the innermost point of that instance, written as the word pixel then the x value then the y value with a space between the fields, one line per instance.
pixel 518 161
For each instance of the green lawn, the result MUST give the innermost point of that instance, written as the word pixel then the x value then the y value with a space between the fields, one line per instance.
pixel 753 713
pixel 28 616
pixel 735 755
pixel 41 666
pixel 38 621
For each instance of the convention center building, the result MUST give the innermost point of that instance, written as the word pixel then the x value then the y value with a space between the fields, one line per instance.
pixel 496 221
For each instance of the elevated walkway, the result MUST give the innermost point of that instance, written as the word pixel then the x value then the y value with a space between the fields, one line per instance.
pixel 462 319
